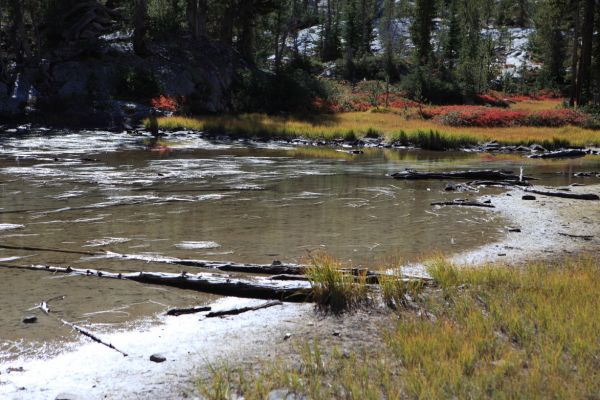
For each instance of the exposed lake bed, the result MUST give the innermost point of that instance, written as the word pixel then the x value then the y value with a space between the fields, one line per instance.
pixel 240 201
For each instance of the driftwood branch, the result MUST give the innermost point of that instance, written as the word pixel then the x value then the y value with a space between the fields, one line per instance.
pixel 46 310
pixel 92 336
pixel 240 310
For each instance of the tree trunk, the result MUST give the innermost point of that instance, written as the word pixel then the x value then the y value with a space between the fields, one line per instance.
pixel 585 62
pixel 196 16
pixel 139 27
pixel 574 54
pixel 226 34
pixel 247 31
pixel 18 37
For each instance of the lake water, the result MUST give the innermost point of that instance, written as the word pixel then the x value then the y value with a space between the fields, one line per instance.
pixel 216 200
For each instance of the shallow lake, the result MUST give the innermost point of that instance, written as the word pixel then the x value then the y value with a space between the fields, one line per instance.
pixel 217 200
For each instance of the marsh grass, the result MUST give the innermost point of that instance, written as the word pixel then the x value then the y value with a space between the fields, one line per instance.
pixel 487 332
pixel 350 126
pixel 334 290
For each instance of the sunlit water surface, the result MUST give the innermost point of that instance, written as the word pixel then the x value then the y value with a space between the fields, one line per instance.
pixel 201 199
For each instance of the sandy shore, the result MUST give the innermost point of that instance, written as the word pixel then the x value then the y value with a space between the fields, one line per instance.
pixel 550 228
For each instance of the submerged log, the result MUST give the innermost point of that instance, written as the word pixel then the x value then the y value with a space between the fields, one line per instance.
pixel 565 195
pixel 463 204
pixel 258 288
pixel 240 310
pixel 484 174
pixel 561 154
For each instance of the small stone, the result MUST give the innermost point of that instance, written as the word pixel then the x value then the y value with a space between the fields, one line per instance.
pixel 287 336
pixel 30 319
pixel 67 396
pixel 158 358
pixel 528 197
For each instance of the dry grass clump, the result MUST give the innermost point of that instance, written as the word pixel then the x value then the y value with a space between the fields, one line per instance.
pixel 333 289
pixel 488 332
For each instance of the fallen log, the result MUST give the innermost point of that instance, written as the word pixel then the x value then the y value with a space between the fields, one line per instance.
pixel 258 288
pixel 565 195
pixel 561 154
pixel 191 310
pixel 484 174
pixel 463 204
pixel 240 310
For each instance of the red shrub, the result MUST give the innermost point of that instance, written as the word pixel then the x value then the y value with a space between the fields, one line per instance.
pixel 492 117
pixel 166 103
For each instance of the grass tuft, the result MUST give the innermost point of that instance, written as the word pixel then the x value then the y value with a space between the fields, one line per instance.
pixel 334 290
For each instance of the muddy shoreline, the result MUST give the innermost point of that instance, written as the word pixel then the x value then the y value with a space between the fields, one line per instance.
pixel 548 229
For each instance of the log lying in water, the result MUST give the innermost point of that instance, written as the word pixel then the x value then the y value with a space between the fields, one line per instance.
pixel 561 154
pixel 240 310
pixel 484 174
pixel 258 288
pixel 463 204
pixel 565 195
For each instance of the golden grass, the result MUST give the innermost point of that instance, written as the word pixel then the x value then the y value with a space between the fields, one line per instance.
pixel 488 332
pixel 357 124
pixel 537 105
pixel 332 289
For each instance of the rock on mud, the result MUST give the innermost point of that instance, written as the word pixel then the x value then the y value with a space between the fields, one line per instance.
pixel 158 358
pixel 68 396
pixel 29 319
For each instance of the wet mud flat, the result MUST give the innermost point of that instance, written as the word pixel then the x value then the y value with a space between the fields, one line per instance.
pixel 247 202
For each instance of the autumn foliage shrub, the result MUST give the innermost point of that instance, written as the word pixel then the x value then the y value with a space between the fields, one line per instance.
pixel 493 117
pixel 166 103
